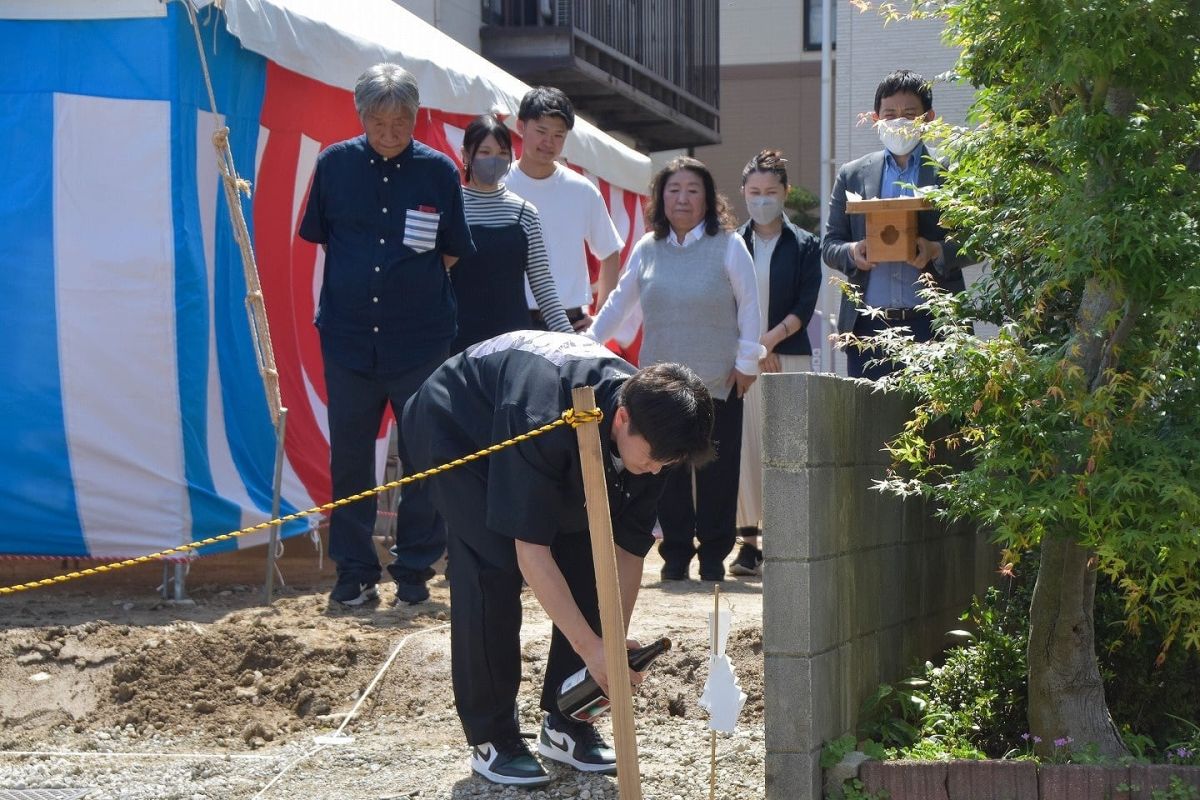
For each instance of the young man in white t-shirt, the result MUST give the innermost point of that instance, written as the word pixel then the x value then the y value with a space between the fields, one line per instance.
pixel 573 212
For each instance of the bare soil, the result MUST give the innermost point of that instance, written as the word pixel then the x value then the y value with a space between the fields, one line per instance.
pixel 108 688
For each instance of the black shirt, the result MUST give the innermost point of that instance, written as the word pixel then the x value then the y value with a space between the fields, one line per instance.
pixel 512 384
pixel 386 303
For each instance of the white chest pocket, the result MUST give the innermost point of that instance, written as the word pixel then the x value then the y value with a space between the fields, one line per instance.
pixel 421 229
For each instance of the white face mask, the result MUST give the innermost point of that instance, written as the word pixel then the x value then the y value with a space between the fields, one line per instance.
pixel 899 136
pixel 764 209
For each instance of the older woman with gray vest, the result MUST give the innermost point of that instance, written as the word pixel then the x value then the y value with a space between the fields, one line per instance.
pixel 691 279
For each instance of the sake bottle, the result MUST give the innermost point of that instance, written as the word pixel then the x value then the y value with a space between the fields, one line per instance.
pixel 581 698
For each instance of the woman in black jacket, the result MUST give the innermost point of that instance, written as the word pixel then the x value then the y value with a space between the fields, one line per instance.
pixel 787 264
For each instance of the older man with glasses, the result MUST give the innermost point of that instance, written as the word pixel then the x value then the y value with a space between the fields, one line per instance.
pixel 388 214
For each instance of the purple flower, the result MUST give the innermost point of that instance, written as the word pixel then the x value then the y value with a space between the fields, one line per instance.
pixel 1063 742
pixel 1025 736
pixel 1037 740
pixel 1183 752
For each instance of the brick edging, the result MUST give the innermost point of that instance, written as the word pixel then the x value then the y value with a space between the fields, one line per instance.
pixel 1019 780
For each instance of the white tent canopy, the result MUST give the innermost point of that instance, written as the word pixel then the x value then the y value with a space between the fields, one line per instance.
pixel 334 42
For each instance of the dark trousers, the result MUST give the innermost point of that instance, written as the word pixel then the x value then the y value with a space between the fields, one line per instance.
pixel 710 515
pixel 485 593
pixel 857 366
pixel 357 401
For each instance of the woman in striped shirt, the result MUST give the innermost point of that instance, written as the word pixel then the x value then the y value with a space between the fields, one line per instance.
pixel 490 285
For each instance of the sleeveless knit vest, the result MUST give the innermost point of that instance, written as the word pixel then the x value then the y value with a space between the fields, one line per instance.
pixel 688 308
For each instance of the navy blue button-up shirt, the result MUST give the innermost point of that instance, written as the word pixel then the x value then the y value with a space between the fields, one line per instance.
pixel 386 302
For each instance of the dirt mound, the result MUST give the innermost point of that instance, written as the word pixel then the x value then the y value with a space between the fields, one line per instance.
pixel 213 680
pixel 223 675
pixel 676 679
pixel 418 683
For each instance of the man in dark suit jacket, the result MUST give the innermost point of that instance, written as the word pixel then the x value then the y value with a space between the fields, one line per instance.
pixel 902 101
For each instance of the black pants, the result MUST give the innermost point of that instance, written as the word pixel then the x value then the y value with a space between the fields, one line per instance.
pixel 485 594
pixel 710 515
pixel 921 324
pixel 357 401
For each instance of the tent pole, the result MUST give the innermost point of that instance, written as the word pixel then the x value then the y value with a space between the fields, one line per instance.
pixel 174 586
pixel 273 540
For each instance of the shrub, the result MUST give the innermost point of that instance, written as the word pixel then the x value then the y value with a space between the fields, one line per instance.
pixel 973 704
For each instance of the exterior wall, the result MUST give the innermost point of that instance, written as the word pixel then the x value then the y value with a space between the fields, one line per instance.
pixel 770 94
pixel 458 19
pixel 761 32
pixel 857 585
pixel 767 105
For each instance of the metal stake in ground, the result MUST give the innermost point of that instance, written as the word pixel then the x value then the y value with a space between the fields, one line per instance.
pixel 612 617
pixel 277 489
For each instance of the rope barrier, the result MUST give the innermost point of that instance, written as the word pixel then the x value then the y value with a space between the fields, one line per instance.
pixel 569 417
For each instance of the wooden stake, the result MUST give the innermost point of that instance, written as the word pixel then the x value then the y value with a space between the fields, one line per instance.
pixel 612 618
pixel 712 742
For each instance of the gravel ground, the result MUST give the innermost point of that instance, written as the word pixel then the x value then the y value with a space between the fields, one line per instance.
pixel 140 700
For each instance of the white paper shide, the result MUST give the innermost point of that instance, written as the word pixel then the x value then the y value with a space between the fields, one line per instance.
pixel 723 697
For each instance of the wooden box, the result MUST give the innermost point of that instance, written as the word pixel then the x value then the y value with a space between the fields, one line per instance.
pixel 891 226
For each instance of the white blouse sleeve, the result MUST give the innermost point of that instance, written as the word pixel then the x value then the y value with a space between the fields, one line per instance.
pixel 624 300
pixel 739 266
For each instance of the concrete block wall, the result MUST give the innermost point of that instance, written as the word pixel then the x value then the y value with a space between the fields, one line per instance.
pixel 857 584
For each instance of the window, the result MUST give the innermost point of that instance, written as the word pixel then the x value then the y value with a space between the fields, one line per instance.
pixel 812 24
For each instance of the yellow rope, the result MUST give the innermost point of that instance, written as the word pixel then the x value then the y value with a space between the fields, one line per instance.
pixel 569 417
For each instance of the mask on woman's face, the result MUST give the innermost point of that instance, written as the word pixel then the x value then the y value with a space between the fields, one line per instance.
pixel 488 170
pixel 764 209
pixel 899 136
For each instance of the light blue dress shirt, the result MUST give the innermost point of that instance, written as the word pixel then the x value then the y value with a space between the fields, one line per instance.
pixel 893 284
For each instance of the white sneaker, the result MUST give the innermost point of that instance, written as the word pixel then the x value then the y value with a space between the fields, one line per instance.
pixel 350 592
pixel 578 744
pixel 508 762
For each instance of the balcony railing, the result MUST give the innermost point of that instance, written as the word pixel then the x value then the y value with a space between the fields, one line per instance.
pixel 665 48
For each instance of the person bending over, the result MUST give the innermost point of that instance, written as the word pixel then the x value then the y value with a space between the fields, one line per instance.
pixel 519 515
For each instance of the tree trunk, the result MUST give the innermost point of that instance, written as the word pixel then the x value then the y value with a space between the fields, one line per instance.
pixel 1066 694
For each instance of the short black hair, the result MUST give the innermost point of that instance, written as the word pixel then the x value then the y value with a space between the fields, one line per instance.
pixel 481 127
pixel 905 81
pixel 546 101
pixel 672 410
pixel 768 161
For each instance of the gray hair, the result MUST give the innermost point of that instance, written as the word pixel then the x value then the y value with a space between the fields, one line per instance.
pixel 386 87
